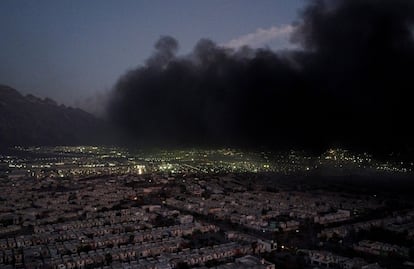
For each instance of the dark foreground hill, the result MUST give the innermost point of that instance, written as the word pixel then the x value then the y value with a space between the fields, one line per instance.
pixel 28 120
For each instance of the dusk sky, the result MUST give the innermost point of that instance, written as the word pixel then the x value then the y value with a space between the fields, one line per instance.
pixel 315 73
pixel 70 50
pixel 185 134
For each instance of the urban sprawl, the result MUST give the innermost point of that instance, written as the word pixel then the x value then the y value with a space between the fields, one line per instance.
pixel 107 207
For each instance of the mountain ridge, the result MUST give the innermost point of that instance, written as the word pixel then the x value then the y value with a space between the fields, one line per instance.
pixel 30 120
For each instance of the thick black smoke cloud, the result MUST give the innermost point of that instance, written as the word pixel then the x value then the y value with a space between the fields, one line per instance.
pixel 349 85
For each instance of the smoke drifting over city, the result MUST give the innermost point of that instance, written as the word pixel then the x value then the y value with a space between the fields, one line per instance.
pixel 348 84
pixel 228 155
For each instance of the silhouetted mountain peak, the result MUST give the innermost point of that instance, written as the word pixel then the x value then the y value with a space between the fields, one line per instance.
pixel 7 92
pixel 30 120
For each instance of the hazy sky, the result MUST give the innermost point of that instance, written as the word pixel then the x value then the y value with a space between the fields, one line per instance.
pixel 69 50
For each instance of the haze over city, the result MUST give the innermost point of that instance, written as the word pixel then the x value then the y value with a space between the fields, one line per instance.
pixel 306 74
pixel 206 134
pixel 83 48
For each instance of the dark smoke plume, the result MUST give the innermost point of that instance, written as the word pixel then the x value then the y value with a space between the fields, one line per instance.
pixel 349 85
